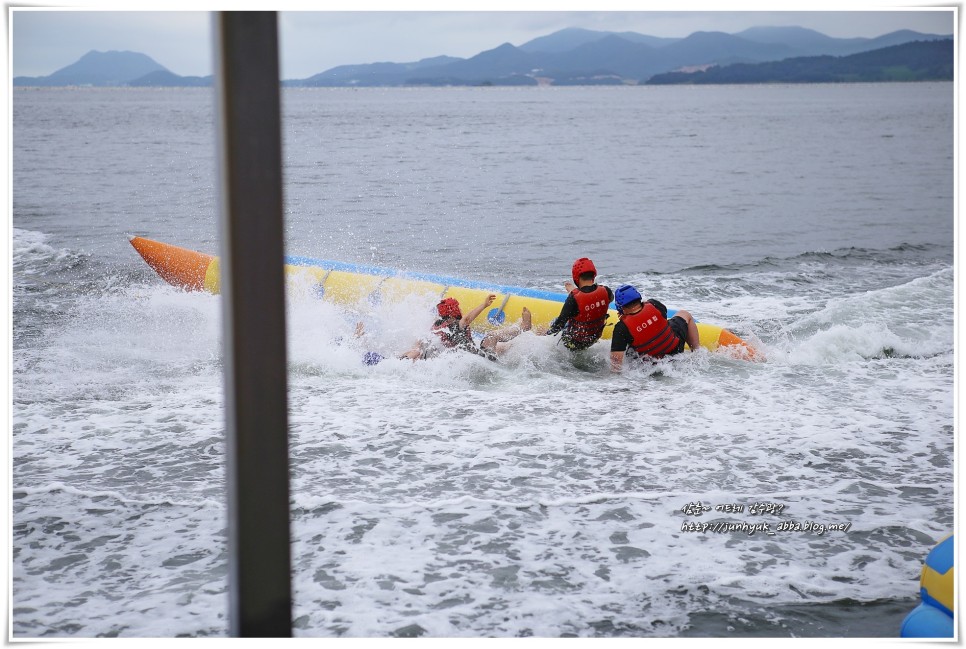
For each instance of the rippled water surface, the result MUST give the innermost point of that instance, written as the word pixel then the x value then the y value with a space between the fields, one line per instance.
pixel 541 496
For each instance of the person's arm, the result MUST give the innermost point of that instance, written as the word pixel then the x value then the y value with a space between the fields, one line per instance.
pixel 567 311
pixel 618 345
pixel 475 313
pixel 616 362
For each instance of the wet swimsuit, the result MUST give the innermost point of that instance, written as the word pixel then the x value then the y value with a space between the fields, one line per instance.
pixel 455 337
pixel 583 316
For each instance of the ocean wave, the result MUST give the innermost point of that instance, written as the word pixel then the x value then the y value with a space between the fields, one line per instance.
pixel 910 320
pixel 905 253
pixel 31 250
pixel 100 495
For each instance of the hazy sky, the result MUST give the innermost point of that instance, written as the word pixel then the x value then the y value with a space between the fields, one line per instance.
pixel 45 40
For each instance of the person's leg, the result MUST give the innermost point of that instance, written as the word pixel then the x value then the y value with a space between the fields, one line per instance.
pixel 498 348
pixel 499 336
pixel 693 339
pixel 491 340
pixel 418 351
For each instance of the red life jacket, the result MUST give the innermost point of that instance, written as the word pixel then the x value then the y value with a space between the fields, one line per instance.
pixel 650 332
pixel 588 324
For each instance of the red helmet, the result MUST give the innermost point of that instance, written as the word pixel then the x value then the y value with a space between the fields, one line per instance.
pixel 449 308
pixel 581 266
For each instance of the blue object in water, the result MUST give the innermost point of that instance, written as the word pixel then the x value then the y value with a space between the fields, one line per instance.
pixel 933 618
pixel 496 316
pixel 927 621
pixel 372 358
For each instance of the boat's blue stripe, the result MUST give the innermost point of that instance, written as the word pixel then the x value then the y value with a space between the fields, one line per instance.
pixel 425 277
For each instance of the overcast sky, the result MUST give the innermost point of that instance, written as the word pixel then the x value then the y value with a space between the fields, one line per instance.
pixel 45 40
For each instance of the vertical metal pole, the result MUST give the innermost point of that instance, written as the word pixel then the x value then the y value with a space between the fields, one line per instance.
pixel 253 296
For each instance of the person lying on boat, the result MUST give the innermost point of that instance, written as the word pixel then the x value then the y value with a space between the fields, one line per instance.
pixel 452 331
pixel 645 328
pixel 584 312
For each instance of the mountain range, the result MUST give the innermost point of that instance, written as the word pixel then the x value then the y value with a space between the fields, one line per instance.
pixel 915 61
pixel 567 57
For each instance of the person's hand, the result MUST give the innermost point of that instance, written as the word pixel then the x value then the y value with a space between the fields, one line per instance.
pixel 489 300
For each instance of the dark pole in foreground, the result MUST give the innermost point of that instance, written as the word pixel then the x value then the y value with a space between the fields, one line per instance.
pixel 253 296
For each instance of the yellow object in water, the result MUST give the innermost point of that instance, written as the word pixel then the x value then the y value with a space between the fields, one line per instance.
pixel 350 284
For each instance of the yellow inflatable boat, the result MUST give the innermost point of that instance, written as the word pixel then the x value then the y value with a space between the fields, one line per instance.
pixel 350 284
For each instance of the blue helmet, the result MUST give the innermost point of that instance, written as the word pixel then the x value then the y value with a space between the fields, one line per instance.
pixel 625 295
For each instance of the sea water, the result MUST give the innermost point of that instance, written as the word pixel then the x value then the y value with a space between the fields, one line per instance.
pixel 703 495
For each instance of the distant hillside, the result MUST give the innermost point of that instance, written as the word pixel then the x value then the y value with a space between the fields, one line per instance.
pixel 573 37
pixel 167 79
pixel 806 42
pixel 371 74
pixel 702 48
pixel 98 69
pixel 580 56
pixel 917 61
pixel 566 57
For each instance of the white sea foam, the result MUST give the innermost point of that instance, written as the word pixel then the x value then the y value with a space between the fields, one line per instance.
pixel 453 495
pixel 30 246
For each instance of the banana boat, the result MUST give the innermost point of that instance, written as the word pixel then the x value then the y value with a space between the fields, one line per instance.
pixel 350 284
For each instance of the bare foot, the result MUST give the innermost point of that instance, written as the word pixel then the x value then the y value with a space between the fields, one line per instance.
pixel 527 319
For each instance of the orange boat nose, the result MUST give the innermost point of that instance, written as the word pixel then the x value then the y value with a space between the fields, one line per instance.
pixel 178 266
pixel 727 339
